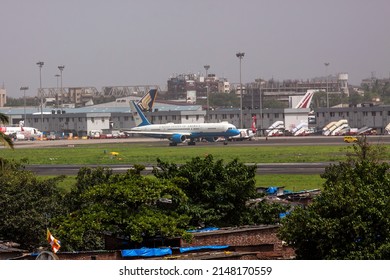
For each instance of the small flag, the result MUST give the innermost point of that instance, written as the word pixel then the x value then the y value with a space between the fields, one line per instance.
pixel 55 243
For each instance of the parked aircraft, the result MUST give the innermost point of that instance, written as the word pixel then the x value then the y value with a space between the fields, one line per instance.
pixel 246 134
pixel 145 104
pixel 21 132
pixel 180 133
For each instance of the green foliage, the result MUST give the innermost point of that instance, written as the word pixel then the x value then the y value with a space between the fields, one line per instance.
pixel 222 100
pixel 351 217
pixel 27 204
pixel 217 193
pixel 127 205
pixel 19 102
pixel 378 89
pixel 320 99
pixel 86 179
pixel 274 104
pixel 216 99
pixel 264 212
pixel 5 139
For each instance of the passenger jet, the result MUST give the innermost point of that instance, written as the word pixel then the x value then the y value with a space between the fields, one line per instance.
pixel 180 133
pixel 20 132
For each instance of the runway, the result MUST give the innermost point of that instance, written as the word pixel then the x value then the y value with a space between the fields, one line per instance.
pixel 263 141
pixel 271 168
pixel 264 168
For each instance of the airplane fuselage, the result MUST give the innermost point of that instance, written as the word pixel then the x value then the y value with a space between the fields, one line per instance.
pixel 18 129
pixel 20 132
pixel 180 133
pixel 197 130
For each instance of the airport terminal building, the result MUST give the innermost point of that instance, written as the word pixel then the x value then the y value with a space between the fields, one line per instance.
pixel 115 117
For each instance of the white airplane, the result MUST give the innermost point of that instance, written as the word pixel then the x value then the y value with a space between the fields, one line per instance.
pixel 21 132
pixel 246 134
pixel 180 133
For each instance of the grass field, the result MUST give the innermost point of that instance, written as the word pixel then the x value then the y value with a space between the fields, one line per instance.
pixel 138 153
pixel 293 182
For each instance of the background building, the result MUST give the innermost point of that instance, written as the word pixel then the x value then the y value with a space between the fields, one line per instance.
pixel 3 97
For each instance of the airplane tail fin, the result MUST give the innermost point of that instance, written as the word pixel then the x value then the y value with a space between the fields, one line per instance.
pixel 147 101
pixel 306 100
pixel 138 115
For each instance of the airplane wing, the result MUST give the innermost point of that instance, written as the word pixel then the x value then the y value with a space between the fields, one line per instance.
pixel 163 133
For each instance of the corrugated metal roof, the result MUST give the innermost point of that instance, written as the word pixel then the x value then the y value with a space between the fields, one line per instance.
pixel 101 108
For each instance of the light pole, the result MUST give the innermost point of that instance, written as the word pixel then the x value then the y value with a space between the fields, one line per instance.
pixel 24 96
pixel 260 105
pixel 61 67
pixel 240 56
pixel 208 103
pixel 57 76
pixel 40 64
pixel 207 67
pixel 327 94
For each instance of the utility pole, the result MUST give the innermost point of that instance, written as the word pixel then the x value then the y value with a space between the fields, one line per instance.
pixel 57 76
pixel 24 95
pixel 61 67
pixel 240 56
pixel 40 64
pixel 260 105
pixel 327 90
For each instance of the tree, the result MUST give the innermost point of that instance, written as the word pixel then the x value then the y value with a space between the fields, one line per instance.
pixel 27 205
pixel 5 139
pixel 217 193
pixel 127 205
pixel 350 219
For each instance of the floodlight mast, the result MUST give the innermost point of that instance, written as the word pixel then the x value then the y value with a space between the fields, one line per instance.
pixel 240 56
pixel 40 64
pixel 61 68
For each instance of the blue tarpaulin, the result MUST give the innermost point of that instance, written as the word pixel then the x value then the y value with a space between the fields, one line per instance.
pixel 282 215
pixel 204 229
pixel 208 247
pixel 272 190
pixel 146 252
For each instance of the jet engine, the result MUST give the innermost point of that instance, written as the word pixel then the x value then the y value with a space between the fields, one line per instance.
pixel 178 138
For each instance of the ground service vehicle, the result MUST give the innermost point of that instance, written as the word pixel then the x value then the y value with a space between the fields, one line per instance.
pixel 350 139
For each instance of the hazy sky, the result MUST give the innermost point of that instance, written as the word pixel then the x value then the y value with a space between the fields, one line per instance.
pixel 136 42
